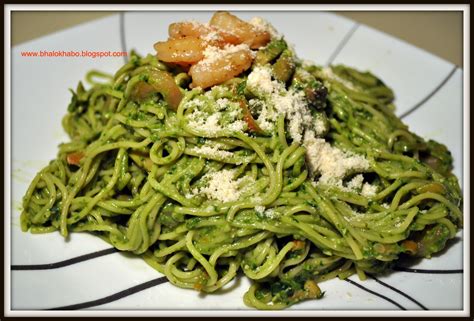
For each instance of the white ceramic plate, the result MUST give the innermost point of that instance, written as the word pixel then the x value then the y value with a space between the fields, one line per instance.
pixel 429 94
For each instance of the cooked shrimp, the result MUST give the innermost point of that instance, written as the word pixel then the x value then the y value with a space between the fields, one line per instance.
pixel 187 50
pixel 187 29
pixel 243 31
pixel 261 39
pixel 206 74
pixel 189 43
pixel 211 35
pixel 142 90
pixel 161 82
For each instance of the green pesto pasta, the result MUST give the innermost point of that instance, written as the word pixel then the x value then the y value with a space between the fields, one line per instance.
pixel 231 180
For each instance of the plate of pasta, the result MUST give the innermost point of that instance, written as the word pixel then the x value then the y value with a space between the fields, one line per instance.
pixel 232 162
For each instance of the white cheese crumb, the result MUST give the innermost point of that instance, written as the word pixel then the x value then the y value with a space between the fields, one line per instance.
pixel 319 126
pixel 270 213
pixel 212 36
pixel 276 100
pixel 331 162
pixel 260 79
pixel 356 183
pixel 237 126
pixel 369 190
pixel 213 53
pixel 212 150
pixel 222 103
pixel 222 186
pixel 215 91
pixel 211 33
pixel 261 24
pixel 209 124
pixel 266 119
pixel 260 209
pixel 201 121
pixel 292 105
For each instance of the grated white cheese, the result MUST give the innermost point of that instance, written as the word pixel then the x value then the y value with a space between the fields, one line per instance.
pixel 201 121
pixel 369 190
pixel 222 186
pixel 260 80
pixel 355 183
pixel 319 126
pixel 213 53
pixel 215 92
pixel 270 213
pixel 222 103
pixel 237 126
pixel 261 24
pixel 276 100
pixel 292 105
pixel 212 36
pixel 212 150
pixel 266 119
pixel 331 162
pixel 260 209
pixel 209 124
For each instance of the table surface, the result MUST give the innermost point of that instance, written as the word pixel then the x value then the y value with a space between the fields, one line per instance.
pixel 440 33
